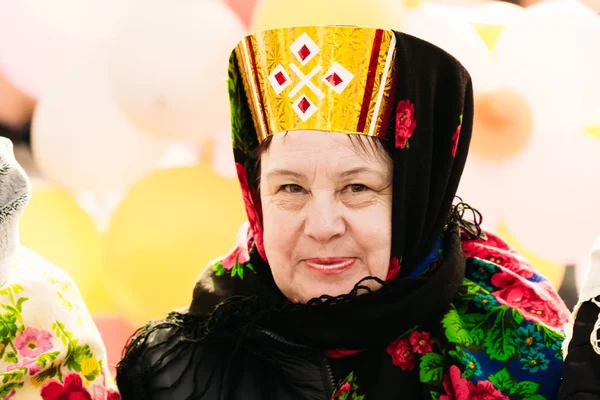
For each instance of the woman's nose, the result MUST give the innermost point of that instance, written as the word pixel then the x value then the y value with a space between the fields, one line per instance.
pixel 324 219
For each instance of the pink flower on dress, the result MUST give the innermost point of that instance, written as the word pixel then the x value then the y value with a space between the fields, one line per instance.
pixel 33 342
pixel 405 122
pixel 420 342
pixel 343 389
pixel 458 388
pixel 252 209
pixel 240 253
pixel 72 389
pixel 9 396
pixel 393 270
pixel 98 392
pixel 28 363
pixel 455 138
pixel 402 354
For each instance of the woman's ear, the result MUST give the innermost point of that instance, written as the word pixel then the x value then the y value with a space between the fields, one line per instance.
pixel 15 191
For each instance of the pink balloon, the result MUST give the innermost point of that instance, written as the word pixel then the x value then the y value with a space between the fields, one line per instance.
pixel 31 53
pixel 115 331
pixel 243 8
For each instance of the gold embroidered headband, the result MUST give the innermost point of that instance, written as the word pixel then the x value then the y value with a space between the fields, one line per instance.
pixel 330 78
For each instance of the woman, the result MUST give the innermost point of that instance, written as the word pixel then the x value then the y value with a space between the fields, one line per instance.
pixel 582 346
pixel 50 348
pixel 356 278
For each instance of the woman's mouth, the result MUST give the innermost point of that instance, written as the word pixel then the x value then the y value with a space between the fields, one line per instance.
pixel 330 265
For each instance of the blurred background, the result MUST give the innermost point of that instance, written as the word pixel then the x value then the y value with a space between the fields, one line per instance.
pixel 118 110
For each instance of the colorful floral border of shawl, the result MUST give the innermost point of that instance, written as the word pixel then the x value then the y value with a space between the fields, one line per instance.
pixel 502 334
pixel 49 346
pixel 501 338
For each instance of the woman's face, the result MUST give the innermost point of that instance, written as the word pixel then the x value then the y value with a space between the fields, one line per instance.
pixel 327 212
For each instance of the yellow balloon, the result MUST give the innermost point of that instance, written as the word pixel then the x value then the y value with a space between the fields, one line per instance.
pixel 412 3
pixel 489 33
pixel 551 270
pixel 57 228
pixel 270 14
pixel 166 229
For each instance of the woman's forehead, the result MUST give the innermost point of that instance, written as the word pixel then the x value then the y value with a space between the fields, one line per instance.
pixel 298 149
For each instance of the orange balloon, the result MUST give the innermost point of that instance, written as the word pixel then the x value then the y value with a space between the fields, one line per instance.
pixel 502 124
pixel 16 108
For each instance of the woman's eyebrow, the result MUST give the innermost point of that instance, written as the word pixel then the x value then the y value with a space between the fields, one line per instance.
pixel 358 170
pixel 285 172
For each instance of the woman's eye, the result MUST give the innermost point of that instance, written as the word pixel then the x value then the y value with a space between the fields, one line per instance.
pixel 292 188
pixel 357 188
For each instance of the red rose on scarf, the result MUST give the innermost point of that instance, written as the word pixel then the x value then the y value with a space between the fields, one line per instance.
pixel 393 270
pixel 402 354
pixel 420 342
pixel 455 138
pixel 72 389
pixel 405 122
pixel 503 258
pixel 458 388
pixel 343 389
pixel 514 292
pixel 252 208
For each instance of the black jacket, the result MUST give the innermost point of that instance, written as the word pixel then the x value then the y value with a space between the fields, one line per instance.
pixel 266 366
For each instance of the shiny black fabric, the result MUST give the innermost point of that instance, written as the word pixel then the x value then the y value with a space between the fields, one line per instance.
pixel 581 380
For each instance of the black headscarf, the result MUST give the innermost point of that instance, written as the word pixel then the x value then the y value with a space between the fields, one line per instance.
pixel 426 130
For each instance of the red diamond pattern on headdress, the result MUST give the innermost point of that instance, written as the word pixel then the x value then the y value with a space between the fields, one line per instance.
pixel 304 108
pixel 304 52
pixel 304 48
pixel 304 105
pixel 337 77
pixel 334 79
pixel 280 78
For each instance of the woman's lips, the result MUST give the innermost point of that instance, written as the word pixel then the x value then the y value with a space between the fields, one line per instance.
pixel 330 265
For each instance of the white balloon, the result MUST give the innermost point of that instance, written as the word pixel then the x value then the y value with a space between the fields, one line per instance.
pixel 482 187
pixel 40 39
pixel 169 67
pixel 89 19
pixel 552 200
pixel 443 26
pixel 223 161
pixel 493 13
pixel 81 139
pixel 546 58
